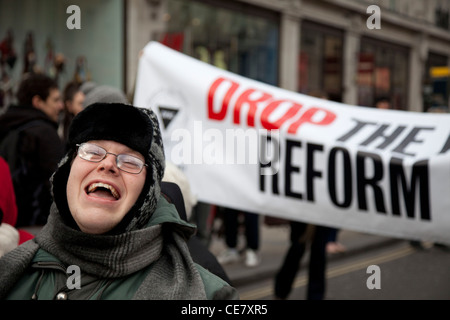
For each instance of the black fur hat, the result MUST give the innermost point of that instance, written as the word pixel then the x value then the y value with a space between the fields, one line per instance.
pixel 113 121
pixel 137 128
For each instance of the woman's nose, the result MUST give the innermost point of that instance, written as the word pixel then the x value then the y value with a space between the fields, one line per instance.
pixel 109 163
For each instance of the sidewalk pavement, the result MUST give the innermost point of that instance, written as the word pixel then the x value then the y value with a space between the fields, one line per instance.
pixel 274 243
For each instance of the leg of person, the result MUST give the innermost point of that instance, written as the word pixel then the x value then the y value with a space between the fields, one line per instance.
pixel 291 264
pixel 252 238
pixel 230 220
pixel 333 245
pixel 317 264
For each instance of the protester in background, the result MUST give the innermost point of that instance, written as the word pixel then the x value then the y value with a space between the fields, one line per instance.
pixel 199 251
pixel 7 197
pixel 383 103
pixel 438 109
pixel 73 99
pixel 29 142
pixel 174 174
pixel 333 245
pixel 8 209
pixel 416 243
pixel 79 95
pixel 9 236
pixel 303 235
pixel 110 220
pixel 102 93
pixel 231 226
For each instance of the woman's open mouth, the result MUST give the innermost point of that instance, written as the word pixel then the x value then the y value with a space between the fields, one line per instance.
pixel 103 190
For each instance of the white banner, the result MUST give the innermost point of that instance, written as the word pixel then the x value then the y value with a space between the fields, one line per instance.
pixel 255 147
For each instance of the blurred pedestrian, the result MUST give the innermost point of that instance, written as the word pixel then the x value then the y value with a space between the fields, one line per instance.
pixel 417 244
pixel 79 95
pixel 7 197
pixel 174 174
pixel 199 251
pixel 73 99
pixel 29 55
pixel 333 245
pixel 8 209
pixel 304 235
pixel 9 236
pixel 29 142
pixel 251 231
pixel 102 93
pixel 110 220
pixel 383 103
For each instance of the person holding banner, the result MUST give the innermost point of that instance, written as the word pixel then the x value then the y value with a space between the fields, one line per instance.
pixel 302 235
pixel 110 234
pixel 383 103
pixel 231 225
pixel 320 239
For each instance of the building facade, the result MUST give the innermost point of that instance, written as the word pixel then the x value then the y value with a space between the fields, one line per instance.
pixel 353 51
pixel 37 31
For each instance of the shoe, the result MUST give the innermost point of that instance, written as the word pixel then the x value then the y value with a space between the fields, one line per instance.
pixel 335 247
pixel 251 258
pixel 228 256
pixel 416 244
pixel 441 246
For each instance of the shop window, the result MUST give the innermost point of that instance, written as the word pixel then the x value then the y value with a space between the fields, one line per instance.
pixel 230 35
pixel 320 61
pixel 436 82
pixel 441 17
pixel 382 74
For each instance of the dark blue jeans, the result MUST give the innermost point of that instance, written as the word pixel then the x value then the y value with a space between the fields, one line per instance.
pixel 231 222
pixel 291 264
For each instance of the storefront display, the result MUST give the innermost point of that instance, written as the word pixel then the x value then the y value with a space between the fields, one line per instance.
pixel 233 36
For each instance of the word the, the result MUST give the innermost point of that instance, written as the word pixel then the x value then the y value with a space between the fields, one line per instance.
pixel 74 20
pixel 374 281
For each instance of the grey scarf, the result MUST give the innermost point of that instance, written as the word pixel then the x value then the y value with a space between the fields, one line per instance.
pixel 173 274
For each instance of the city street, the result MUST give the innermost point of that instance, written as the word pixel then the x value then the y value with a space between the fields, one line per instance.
pixel 405 272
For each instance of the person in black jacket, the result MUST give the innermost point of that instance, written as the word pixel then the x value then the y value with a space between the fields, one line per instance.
pixel 30 144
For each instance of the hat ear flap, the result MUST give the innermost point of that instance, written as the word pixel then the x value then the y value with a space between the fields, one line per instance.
pixel 59 187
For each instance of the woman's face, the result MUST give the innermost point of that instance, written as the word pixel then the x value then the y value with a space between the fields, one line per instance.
pixel 75 105
pixel 99 194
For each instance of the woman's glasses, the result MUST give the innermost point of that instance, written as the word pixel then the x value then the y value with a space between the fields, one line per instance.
pixel 125 162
